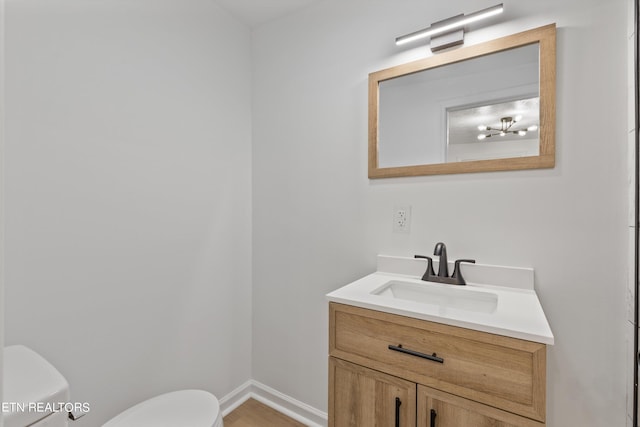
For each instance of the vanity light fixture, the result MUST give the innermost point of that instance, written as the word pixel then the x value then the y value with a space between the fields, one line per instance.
pixel 506 124
pixel 450 31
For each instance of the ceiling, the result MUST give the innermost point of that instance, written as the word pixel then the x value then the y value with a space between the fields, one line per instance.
pixel 256 12
pixel 463 123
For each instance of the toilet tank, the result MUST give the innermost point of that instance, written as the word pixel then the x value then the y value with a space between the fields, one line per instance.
pixel 33 390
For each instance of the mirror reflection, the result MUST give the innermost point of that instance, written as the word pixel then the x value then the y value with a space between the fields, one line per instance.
pixel 432 116
pixel 494 131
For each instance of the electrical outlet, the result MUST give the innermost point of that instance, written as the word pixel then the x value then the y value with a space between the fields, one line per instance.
pixel 402 219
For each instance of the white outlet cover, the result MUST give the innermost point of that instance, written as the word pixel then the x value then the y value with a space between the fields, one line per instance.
pixel 402 219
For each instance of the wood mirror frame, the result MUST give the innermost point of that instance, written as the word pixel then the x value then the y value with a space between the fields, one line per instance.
pixel 545 37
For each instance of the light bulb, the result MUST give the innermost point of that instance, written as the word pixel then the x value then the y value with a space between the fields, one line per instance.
pixel 518 118
pixel 502 134
pixel 522 132
pixel 482 136
pixel 482 127
pixel 532 128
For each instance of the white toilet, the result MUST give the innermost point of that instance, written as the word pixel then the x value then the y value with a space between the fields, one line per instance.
pixel 34 392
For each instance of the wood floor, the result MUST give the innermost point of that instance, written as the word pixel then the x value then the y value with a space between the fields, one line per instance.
pixel 254 414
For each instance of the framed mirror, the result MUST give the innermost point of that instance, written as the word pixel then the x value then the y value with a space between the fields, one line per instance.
pixel 482 108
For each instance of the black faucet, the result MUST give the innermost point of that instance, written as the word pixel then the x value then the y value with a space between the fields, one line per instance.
pixel 441 251
pixel 443 268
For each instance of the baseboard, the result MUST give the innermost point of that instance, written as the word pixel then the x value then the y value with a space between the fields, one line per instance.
pixel 236 398
pixel 287 405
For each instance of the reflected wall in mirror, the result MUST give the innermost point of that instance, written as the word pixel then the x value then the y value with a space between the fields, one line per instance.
pixel 486 107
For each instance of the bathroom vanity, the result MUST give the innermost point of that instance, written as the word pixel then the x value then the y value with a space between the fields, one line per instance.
pixel 460 356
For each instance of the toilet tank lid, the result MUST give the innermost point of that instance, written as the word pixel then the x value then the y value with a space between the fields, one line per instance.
pixel 32 387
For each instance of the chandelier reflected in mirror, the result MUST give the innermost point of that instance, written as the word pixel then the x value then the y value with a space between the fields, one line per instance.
pixel 506 127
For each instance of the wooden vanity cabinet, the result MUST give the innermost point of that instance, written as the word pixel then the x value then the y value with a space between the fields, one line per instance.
pixel 442 376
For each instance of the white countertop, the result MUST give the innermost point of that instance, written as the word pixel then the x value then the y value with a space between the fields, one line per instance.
pixel 517 314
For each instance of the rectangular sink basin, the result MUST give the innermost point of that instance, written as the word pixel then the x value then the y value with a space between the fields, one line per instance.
pixel 441 296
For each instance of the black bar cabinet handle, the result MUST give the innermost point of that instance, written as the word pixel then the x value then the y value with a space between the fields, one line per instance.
pixel 433 418
pixel 431 357
pixel 398 403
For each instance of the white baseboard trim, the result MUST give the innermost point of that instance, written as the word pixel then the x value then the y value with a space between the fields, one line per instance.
pixel 287 405
pixel 236 398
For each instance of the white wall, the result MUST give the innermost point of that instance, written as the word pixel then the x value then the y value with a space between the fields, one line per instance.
pixel 319 222
pixel 2 232
pixel 128 198
pixel 630 327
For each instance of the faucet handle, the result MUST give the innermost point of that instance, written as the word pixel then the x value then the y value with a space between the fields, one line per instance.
pixel 429 272
pixel 457 274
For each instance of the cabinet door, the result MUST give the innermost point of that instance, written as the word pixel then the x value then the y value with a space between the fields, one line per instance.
pixel 361 397
pixel 440 409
